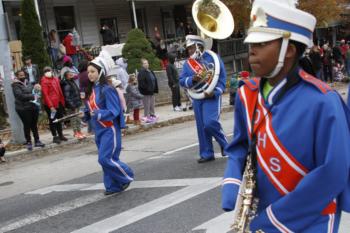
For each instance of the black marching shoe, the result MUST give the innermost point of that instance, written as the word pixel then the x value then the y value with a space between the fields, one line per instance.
pixel 124 186
pixel 202 160
pixel 223 152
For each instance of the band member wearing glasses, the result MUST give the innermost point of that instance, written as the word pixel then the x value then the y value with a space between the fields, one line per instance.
pixel 295 127
pixel 207 110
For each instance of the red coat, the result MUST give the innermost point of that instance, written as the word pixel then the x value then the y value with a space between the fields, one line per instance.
pixel 68 43
pixel 52 92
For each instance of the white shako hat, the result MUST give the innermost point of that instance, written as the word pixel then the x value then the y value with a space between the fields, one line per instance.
pixel 105 61
pixel 194 39
pixel 273 19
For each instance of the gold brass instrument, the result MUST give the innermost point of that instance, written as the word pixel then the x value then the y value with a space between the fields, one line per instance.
pixel 246 204
pixel 214 21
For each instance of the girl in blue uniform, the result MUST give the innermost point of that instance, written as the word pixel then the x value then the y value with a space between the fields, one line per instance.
pixel 103 107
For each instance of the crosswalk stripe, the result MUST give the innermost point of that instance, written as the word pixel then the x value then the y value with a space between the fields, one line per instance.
pixel 128 217
pixel 50 212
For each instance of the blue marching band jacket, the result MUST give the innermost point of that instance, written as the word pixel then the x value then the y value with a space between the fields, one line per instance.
pixel 303 153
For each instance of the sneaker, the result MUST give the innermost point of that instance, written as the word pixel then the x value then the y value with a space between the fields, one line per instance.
pixel 39 144
pixel 29 146
pixel 177 109
pixel 144 119
pixel 56 139
pixel 154 118
pixel 137 122
pixel 150 120
pixel 2 159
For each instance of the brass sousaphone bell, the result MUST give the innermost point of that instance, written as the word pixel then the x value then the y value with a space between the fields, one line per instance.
pixel 214 21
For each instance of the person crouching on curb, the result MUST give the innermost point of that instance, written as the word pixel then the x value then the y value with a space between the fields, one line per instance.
pixel 292 128
pixel 73 102
pixel 134 99
pixel 104 108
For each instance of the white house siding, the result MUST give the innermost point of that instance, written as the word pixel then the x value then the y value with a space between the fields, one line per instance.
pixel 85 18
pixel 115 8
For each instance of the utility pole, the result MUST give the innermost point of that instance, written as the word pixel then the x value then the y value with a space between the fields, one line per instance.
pixel 5 61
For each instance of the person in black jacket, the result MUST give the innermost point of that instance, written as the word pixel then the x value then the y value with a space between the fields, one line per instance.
pixel 173 82
pixel 71 94
pixel 26 108
pixel 148 86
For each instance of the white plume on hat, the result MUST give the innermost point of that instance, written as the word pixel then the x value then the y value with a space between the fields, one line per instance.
pixel 105 61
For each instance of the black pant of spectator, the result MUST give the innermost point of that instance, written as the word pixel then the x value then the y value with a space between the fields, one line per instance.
pixel 55 128
pixel 2 151
pixel 176 96
pixel 328 73
pixel 30 123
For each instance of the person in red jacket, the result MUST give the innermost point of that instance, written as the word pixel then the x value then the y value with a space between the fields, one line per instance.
pixel 71 49
pixel 54 103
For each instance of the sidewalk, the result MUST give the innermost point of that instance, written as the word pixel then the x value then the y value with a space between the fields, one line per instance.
pixel 166 117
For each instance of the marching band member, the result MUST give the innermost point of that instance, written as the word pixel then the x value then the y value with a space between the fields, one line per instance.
pixel 207 110
pixel 296 126
pixel 104 108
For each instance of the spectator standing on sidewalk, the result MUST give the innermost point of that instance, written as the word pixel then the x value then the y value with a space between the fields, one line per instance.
pixel 173 82
pixel 73 102
pixel 316 61
pixel 2 152
pixel 31 70
pixel 53 103
pixel 327 63
pixel 148 86
pixel 26 109
pixel 133 100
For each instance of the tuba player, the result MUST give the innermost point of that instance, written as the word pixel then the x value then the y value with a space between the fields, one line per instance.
pixel 206 110
pixel 295 124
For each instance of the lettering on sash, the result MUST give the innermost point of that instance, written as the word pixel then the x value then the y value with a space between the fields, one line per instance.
pixel 275 164
pixel 257 112
pixel 262 139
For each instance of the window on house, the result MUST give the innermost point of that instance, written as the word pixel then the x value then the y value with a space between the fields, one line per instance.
pixel 65 20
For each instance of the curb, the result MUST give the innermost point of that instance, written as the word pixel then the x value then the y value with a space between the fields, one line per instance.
pixel 49 149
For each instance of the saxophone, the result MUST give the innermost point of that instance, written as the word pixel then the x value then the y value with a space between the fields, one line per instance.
pixel 246 204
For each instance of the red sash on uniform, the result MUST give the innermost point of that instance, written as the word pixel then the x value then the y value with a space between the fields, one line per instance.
pixel 279 165
pixel 93 106
pixel 195 66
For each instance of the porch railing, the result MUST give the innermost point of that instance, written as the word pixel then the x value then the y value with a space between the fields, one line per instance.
pixel 232 47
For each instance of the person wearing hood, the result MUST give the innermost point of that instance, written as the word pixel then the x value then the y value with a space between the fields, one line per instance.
pixel 26 108
pixel 54 103
pixel 121 72
pixel 103 107
pixel 69 66
pixel 73 102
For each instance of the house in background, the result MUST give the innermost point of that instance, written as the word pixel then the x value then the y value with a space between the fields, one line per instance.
pixel 87 16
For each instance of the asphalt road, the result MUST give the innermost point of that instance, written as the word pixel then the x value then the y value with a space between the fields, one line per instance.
pixel 171 193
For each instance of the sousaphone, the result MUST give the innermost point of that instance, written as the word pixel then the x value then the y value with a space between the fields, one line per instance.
pixel 214 21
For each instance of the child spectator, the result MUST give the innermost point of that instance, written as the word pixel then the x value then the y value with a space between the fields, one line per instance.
pixel 133 99
pixel 73 102
pixel 2 152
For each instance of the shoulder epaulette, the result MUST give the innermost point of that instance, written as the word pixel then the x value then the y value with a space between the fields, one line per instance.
pixel 321 86
pixel 252 84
